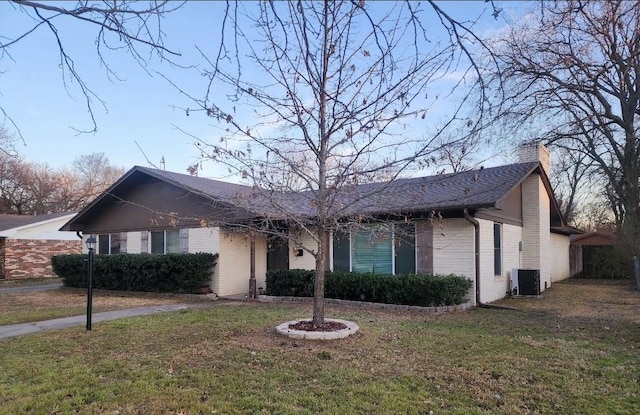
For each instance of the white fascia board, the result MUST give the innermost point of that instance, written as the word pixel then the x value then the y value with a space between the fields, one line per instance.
pixel 8 233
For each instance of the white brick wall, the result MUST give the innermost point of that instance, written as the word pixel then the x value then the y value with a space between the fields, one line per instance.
pixel 559 257
pixel 494 287
pixel 511 255
pixel 453 248
pixel 204 240
pixel 536 223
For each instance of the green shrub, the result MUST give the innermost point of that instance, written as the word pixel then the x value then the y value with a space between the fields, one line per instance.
pixel 293 282
pixel 172 273
pixel 408 289
pixel 605 262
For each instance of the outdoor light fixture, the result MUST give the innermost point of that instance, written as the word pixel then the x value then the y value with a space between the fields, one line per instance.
pixel 91 246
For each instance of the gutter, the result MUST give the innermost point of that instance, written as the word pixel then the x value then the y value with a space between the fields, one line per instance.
pixel 476 228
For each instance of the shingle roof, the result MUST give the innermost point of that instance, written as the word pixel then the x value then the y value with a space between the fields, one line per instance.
pixel 15 221
pixel 471 189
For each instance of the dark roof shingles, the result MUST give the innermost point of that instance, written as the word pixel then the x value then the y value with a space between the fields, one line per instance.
pixel 14 221
pixel 475 188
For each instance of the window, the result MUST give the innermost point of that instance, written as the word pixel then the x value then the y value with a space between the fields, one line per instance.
pixel 380 249
pixel 371 250
pixel 341 252
pixel 497 249
pixel 165 242
pixel 108 244
pixel 405 248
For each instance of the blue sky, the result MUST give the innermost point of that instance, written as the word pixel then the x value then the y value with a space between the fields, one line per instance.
pixel 140 121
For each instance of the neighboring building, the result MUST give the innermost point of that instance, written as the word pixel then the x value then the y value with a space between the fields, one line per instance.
pixel 481 224
pixel 27 244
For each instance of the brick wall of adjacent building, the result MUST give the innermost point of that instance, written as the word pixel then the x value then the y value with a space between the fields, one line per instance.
pixel 2 240
pixel 31 258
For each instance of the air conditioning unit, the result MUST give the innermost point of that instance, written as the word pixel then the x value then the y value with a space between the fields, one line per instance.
pixel 525 281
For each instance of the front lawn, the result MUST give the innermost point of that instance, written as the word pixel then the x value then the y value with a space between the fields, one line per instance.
pixel 546 358
pixel 24 307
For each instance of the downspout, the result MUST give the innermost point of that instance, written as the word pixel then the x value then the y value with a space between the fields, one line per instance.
pixel 79 235
pixel 476 228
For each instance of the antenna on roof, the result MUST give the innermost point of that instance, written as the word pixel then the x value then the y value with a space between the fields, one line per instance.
pixel 162 165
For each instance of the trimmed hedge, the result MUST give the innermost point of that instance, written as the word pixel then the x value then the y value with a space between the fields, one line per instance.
pixel 408 289
pixel 171 273
pixel 605 262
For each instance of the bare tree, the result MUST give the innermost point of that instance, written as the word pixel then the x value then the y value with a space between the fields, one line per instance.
pixel 337 91
pixel 571 73
pixel 134 26
pixel 572 179
pixel 7 143
pixel 15 197
pixel 36 188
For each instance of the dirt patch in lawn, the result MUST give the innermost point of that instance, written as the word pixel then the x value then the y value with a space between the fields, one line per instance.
pixel 61 298
pixel 597 299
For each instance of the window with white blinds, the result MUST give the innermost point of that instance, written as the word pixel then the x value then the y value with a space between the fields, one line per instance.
pixel 377 248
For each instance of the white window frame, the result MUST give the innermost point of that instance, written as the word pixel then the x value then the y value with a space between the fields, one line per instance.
pixel 98 252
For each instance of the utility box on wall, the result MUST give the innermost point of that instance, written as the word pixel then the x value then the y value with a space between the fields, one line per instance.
pixel 525 282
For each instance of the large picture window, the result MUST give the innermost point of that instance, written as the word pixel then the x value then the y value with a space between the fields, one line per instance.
pixel 165 242
pixel 380 249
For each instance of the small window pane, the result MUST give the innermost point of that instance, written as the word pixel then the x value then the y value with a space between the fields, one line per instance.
pixel 115 244
pixel 405 246
pixel 497 249
pixel 157 242
pixel 103 244
pixel 173 242
pixel 341 252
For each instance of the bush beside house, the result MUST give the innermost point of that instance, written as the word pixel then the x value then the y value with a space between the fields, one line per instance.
pixel 171 273
pixel 407 289
pixel 605 261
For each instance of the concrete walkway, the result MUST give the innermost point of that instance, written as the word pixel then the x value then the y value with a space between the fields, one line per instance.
pixel 30 288
pixel 15 330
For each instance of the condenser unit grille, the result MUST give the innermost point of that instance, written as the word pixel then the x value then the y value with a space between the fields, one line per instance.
pixel 526 281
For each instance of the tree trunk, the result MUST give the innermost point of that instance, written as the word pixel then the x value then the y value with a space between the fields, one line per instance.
pixel 636 271
pixel 318 286
pixel 630 227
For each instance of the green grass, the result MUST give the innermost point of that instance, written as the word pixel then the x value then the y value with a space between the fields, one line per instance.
pixel 24 307
pixel 228 360
pixel 26 316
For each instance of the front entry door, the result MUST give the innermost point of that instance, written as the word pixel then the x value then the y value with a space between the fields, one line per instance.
pixel 277 254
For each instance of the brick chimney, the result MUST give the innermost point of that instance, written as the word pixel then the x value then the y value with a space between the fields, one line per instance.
pixel 536 239
pixel 535 152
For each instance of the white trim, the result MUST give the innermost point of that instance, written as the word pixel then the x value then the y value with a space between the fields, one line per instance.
pixel 8 233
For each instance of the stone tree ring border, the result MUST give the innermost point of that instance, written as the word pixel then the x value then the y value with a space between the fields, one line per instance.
pixel 351 328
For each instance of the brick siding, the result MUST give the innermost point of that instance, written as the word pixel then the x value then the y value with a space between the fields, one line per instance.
pixel 31 258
